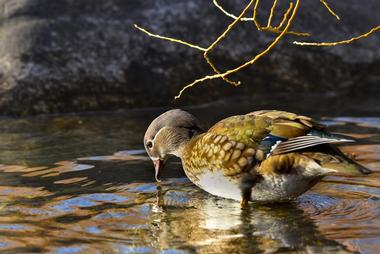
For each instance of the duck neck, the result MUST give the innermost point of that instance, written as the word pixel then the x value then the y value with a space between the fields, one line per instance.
pixel 185 144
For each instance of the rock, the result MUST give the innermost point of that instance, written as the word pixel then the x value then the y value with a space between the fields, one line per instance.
pixel 85 55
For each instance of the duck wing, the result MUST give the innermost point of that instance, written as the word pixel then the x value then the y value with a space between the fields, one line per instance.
pixel 291 132
pixel 269 133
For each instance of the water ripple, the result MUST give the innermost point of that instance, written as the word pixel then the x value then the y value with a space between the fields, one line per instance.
pixel 53 203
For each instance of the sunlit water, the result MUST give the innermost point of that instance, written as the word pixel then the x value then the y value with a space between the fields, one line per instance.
pixel 82 184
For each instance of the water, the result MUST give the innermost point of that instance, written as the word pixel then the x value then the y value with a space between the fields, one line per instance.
pixel 82 184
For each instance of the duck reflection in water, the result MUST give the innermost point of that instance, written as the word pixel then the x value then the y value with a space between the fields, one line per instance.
pixel 215 225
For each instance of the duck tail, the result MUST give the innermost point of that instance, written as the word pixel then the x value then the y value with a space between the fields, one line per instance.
pixel 340 163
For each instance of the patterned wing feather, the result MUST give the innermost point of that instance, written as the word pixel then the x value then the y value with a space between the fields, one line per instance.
pixel 213 152
pixel 265 130
pixel 302 142
pixel 246 129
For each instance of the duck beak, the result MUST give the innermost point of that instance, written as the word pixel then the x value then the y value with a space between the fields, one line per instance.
pixel 158 166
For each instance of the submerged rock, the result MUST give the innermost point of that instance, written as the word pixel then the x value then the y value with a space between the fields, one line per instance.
pixel 64 56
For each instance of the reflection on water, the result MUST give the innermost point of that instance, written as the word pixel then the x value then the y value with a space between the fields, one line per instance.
pixel 109 203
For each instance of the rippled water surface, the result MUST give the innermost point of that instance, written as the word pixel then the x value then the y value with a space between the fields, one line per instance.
pixel 82 184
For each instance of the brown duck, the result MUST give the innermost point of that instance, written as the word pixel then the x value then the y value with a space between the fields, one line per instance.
pixel 264 155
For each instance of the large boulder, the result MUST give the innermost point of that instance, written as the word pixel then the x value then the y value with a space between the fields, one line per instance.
pixel 84 55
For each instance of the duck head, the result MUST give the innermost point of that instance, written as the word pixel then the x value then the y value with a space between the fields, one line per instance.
pixel 168 135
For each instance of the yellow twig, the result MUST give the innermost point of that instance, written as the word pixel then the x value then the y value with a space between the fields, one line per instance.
pixel 269 28
pixel 271 13
pixel 229 14
pixel 284 18
pixel 265 51
pixel 229 28
pixel 252 61
pixel 206 51
pixel 170 39
pixel 329 9
pixel 255 14
pixel 196 82
pixel 216 70
pixel 278 31
pixel 337 42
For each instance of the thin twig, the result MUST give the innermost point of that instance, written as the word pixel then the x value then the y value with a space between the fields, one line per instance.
pixel 337 42
pixel 265 51
pixel 170 39
pixel 212 46
pixel 271 13
pixel 329 9
pixel 255 14
pixel 229 14
pixel 284 18
pixel 216 70
pixel 230 26
pixel 276 30
pixel 252 61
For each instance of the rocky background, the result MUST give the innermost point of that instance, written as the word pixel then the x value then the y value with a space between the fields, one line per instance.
pixel 85 55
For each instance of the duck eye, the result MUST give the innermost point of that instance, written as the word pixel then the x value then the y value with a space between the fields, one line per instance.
pixel 149 144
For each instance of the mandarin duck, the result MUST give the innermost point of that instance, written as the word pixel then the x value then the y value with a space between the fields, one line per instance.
pixel 265 155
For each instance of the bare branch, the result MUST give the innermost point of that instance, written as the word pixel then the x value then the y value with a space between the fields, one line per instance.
pixel 212 46
pixel 329 9
pixel 170 39
pixel 230 26
pixel 271 13
pixel 252 61
pixel 278 31
pixel 269 28
pixel 286 20
pixel 258 26
pixel 328 44
pixel 229 14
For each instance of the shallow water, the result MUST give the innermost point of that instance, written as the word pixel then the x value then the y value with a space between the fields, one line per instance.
pixel 82 184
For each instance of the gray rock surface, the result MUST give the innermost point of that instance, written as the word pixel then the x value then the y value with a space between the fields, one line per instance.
pixel 85 55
